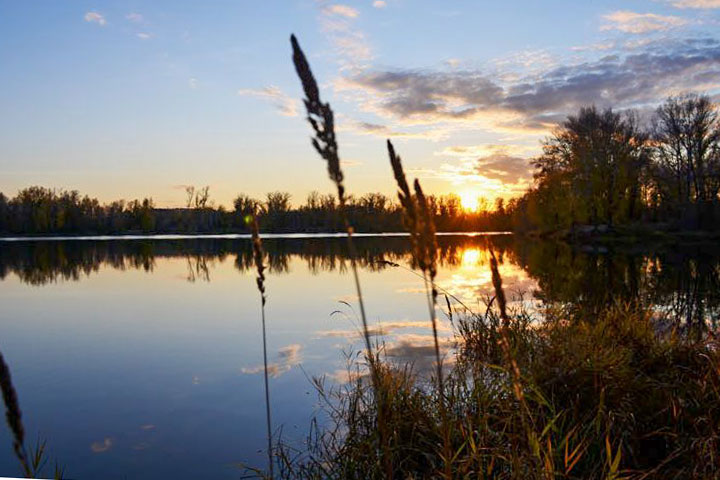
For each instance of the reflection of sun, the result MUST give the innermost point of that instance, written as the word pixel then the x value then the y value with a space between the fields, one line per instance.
pixel 470 257
pixel 469 200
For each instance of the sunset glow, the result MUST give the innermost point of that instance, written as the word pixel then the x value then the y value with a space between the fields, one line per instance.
pixel 470 200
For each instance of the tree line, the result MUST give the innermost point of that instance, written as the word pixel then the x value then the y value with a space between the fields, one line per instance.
pixel 42 211
pixel 603 167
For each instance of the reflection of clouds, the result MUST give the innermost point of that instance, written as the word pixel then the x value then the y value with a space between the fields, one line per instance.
pixel 100 447
pixel 472 280
pixel 418 350
pixel 288 357
pixel 380 329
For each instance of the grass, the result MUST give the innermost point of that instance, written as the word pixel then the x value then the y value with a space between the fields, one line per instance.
pixel 609 398
pixel 32 461
pixel 612 396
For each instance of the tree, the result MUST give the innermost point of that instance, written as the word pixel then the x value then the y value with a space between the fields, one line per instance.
pixel 686 133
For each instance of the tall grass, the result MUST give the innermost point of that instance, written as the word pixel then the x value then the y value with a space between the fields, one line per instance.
pixel 612 396
pixel 32 461
pixel 258 257
pixel 321 118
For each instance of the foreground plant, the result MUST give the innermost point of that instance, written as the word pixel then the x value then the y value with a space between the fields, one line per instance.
pixel 321 118
pixel 258 257
pixel 32 464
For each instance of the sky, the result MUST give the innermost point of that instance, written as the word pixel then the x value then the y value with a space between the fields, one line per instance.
pixel 131 98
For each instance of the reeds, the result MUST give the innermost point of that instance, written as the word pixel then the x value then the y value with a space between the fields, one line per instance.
pixel 33 464
pixel 258 257
pixel 606 397
pixel 13 416
pixel 321 118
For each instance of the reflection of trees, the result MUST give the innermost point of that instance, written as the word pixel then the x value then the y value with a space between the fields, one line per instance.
pixel 40 262
pixel 682 283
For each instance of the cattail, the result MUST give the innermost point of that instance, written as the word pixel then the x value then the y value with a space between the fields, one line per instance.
pixel 13 416
pixel 258 257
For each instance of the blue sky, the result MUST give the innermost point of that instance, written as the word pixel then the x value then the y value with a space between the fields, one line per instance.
pixel 125 99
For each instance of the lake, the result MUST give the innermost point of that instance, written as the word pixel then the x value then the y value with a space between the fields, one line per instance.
pixel 142 358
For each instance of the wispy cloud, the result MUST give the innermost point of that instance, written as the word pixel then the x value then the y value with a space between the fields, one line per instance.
pixel 100 447
pixel 341 10
pixel 95 17
pixel 287 105
pixel 288 357
pixel 134 17
pixel 350 44
pixel 594 47
pixel 192 82
pixel 639 23
pixel 381 329
pixel 700 4
pixel 379 4
pixel 144 36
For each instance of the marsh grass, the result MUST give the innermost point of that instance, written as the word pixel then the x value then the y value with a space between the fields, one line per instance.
pixel 258 260
pixel 33 460
pixel 611 396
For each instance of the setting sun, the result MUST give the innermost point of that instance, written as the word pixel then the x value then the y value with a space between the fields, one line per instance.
pixel 469 200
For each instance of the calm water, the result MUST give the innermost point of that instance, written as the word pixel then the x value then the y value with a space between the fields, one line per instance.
pixel 142 358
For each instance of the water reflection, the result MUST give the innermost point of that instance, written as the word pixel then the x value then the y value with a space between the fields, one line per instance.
pixel 144 357
pixel 682 281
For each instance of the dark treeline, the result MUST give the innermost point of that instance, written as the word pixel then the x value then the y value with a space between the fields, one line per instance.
pixel 682 282
pixel 604 168
pixel 43 211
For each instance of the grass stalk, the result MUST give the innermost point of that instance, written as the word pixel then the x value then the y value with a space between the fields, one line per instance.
pixel 13 415
pixel 321 118
pixel 260 280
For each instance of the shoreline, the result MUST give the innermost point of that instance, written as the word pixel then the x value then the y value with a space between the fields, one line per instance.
pixel 227 236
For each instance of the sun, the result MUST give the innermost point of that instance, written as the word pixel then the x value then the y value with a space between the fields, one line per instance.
pixel 469 200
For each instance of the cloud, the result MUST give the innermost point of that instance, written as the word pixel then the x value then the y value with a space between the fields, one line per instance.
pixel 489 149
pixel 287 105
pixel 536 103
pixel 134 17
pixel 288 357
pixel 384 131
pixel 704 4
pixel 192 82
pixel 95 17
pixel 380 329
pixel 639 23
pixel 100 447
pixel 594 47
pixel 144 36
pixel 379 4
pixel 349 42
pixel 341 10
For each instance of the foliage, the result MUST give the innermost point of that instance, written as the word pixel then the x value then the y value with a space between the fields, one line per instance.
pixel 603 168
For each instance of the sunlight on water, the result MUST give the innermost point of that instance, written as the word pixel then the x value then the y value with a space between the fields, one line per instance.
pixel 145 357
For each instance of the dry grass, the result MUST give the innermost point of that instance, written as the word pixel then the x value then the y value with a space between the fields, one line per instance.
pixel 32 464
pixel 607 397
